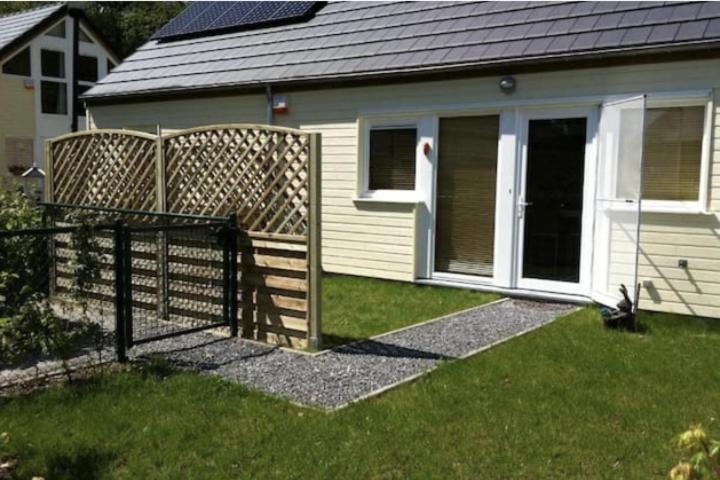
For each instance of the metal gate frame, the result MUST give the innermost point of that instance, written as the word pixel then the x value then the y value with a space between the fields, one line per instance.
pixel 228 234
pixel 124 294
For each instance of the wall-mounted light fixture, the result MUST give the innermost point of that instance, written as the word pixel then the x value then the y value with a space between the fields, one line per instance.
pixel 507 84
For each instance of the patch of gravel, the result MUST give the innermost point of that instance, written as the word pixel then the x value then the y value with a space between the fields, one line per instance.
pixel 39 369
pixel 350 372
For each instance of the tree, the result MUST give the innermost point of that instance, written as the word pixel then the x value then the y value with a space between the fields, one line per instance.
pixel 125 25
pixel 128 25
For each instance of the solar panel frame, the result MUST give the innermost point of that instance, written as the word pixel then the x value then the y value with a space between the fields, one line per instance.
pixel 182 19
pixel 212 18
pixel 208 16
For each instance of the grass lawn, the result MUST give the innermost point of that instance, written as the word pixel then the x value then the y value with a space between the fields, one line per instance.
pixel 571 400
pixel 355 307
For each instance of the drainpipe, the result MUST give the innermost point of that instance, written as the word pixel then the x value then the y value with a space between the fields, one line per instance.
pixel 75 15
pixel 269 96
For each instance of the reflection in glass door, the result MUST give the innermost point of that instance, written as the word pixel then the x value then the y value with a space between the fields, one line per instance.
pixel 552 206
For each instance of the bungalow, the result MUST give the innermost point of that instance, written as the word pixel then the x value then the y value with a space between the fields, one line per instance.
pixel 538 148
pixel 48 57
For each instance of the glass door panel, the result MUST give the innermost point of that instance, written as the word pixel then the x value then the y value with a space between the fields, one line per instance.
pixel 466 179
pixel 552 206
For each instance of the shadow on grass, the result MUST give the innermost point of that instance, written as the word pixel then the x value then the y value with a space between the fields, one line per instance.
pixel 674 323
pixel 86 464
pixel 155 366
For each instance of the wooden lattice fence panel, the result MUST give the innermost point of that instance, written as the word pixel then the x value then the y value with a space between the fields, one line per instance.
pixel 258 174
pixel 267 177
pixel 108 168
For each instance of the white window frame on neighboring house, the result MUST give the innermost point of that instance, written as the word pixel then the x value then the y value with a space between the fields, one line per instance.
pixel 65 80
pixel 687 99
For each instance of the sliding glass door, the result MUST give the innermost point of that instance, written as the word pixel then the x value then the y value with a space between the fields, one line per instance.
pixel 465 208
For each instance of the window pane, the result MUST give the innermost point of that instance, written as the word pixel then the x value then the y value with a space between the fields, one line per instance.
pixel 19 64
pixel 84 38
pixel 673 153
pixel 53 63
pixel 392 159
pixel 54 97
pixel 81 103
pixel 58 30
pixel 466 178
pixel 87 69
pixel 110 66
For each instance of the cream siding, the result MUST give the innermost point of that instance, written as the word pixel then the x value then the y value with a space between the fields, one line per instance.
pixel 17 119
pixel 379 240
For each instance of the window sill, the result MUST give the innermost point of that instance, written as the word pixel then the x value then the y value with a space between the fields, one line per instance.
pixel 650 206
pixel 685 208
pixel 405 197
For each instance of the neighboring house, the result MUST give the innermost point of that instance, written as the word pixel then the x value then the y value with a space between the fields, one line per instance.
pixel 492 145
pixel 41 76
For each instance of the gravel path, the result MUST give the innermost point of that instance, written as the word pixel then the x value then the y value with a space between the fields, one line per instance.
pixel 334 378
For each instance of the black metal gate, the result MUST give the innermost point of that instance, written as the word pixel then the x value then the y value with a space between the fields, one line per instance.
pixel 172 274
pixel 176 279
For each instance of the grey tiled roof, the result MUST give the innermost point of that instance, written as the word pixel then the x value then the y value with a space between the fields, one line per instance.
pixel 14 26
pixel 366 39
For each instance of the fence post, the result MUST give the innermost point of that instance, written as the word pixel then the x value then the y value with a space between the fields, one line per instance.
pixel 232 273
pixel 120 328
pixel 127 284
pixel 314 250
pixel 162 241
pixel 49 169
pixel 246 287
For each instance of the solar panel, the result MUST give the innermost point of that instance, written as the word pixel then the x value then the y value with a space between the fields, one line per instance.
pixel 208 18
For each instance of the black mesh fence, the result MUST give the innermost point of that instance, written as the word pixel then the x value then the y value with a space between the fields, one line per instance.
pixel 85 284
pixel 48 322
pixel 178 279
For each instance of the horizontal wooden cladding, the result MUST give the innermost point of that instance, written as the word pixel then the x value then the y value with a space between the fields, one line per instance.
pixel 278 245
pixel 280 302
pixel 672 272
pixel 277 262
pixel 277 282
pixel 274 268
pixel 285 322
pixel 679 307
pixel 403 276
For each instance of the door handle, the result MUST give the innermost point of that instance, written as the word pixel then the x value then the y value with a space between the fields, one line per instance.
pixel 521 205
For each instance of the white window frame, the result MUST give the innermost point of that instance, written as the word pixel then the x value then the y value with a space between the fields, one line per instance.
pixel 687 99
pixel 66 80
pixel 399 196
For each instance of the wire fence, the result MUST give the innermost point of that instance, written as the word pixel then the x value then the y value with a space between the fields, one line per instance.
pixel 47 324
pixel 89 283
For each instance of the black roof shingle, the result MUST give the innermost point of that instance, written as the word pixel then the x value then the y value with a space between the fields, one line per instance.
pixel 367 39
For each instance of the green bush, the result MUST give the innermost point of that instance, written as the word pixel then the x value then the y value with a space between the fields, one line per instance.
pixel 700 456
pixel 29 325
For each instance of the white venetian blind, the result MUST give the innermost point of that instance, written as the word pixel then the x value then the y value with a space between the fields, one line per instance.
pixel 465 218
pixel 673 153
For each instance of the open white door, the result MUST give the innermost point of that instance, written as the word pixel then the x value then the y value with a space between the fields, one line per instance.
pixel 618 197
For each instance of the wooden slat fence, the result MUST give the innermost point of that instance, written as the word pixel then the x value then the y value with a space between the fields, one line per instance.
pixel 267 177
